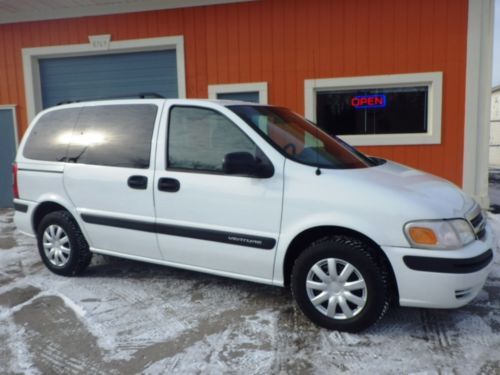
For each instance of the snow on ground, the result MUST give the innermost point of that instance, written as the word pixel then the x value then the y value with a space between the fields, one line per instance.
pixel 130 317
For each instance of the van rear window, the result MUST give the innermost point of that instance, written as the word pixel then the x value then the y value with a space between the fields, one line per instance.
pixel 45 141
pixel 113 135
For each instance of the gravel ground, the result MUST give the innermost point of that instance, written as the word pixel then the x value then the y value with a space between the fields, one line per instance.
pixel 129 317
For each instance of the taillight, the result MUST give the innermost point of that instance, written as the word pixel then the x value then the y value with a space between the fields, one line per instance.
pixel 15 187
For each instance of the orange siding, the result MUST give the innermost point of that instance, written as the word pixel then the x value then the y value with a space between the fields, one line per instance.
pixel 285 42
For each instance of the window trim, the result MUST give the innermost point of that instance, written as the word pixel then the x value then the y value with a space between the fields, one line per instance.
pixel 432 80
pixel 203 171
pixel 260 87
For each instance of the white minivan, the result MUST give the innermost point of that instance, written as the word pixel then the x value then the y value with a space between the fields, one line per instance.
pixel 252 192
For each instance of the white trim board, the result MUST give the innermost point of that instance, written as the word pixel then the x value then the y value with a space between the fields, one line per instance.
pixel 12 108
pixel 31 56
pixel 42 11
pixel 477 99
pixel 260 87
pixel 432 80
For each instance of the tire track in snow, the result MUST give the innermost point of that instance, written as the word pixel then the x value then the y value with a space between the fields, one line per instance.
pixel 291 344
pixel 73 350
pixel 54 358
pixel 437 334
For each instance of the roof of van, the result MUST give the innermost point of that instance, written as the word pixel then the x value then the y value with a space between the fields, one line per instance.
pixel 157 101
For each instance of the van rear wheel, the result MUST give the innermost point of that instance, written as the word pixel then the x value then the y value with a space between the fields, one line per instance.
pixel 61 244
pixel 338 284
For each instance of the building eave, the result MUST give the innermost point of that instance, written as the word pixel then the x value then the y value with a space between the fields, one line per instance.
pixel 42 12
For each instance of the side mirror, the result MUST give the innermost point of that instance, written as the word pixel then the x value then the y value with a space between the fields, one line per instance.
pixel 245 164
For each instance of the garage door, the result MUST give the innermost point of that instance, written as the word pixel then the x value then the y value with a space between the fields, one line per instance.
pixel 108 76
pixel 7 155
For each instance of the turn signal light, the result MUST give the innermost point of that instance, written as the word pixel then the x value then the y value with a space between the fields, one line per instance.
pixel 423 236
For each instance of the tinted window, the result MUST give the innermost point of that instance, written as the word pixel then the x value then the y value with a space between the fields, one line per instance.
pixel 373 111
pixel 200 138
pixel 300 140
pixel 113 135
pixel 47 140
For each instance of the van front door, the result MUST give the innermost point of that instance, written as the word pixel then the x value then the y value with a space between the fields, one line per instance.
pixel 208 220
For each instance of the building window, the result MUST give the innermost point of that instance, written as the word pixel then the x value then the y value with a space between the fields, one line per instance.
pixel 378 110
pixel 248 92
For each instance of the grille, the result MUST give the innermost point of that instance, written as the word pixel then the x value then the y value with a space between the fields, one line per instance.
pixel 478 221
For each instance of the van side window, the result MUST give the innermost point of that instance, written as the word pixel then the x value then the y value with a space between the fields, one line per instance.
pixel 114 135
pixel 199 138
pixel 48 139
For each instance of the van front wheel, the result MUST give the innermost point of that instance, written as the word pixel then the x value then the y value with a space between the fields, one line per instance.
pixel 61 244
pixel 339 285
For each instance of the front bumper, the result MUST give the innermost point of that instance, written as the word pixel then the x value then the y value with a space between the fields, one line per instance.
pixel 441 278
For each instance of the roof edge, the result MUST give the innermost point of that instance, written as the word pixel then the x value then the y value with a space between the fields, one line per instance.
pixel 100 10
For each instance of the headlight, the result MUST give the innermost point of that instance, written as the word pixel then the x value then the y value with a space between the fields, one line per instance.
pixel 439 234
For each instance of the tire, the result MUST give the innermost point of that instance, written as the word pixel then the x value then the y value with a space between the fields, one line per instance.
pixel 61 244
pixel 349 302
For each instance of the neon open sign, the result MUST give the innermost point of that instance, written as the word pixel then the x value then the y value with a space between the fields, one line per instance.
pixel 369 101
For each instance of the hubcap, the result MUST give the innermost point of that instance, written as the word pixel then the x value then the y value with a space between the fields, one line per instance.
pixel 336 288
pixel 56 245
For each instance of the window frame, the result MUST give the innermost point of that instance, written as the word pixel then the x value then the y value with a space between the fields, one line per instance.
pixel 203 171
pixel 432 80
pixel 232 88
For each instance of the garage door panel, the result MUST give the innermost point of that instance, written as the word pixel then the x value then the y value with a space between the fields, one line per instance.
pixel 107 76
pixel 7 155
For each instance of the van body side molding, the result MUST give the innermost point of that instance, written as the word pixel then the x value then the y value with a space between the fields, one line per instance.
pixel 246 240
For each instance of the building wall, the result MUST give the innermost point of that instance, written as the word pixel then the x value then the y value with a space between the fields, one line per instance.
pixel 495 129
pixel 285 42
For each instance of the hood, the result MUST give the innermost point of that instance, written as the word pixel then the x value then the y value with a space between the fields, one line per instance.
pixel 402 188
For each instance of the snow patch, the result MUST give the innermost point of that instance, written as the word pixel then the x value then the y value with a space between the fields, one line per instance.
pixel 139 312
pixel 21 359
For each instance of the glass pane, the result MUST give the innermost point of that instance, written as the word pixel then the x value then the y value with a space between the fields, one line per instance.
pixel 46 140
pixel 373 111
pixel 250 96
pixel 300 140
pixel 113 135
pixel 199 139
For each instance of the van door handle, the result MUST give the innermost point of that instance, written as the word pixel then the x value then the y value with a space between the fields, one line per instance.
pixel 169 184
pixel 138 182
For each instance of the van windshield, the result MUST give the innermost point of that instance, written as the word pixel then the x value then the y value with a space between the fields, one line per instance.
pixel 300 140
